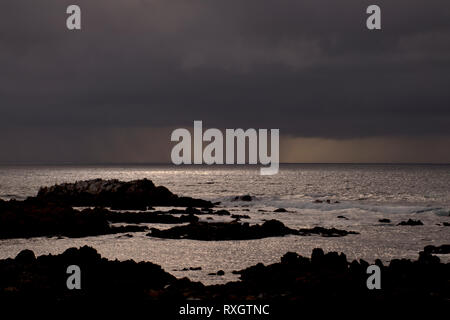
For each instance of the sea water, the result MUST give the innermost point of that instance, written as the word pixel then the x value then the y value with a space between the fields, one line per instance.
pixel 363 194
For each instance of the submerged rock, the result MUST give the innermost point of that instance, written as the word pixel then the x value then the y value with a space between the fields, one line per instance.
pixel 246 197
pixel 444 249
pixel 240 216
pixel 324 232
pixel 384 220
pixel 411 222
pixel 280 210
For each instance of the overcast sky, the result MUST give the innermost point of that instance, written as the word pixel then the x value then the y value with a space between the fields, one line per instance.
pixel 113 91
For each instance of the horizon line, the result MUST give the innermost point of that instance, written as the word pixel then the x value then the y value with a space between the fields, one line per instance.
pixel 206 165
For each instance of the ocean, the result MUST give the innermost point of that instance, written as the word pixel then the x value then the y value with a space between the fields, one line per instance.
pixel 362 194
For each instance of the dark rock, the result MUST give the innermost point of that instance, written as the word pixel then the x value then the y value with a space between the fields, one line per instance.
pixel 137 194
pixel 240 216
pixel 444 249
pixel 246 197
pixel 290 258
pixel 384 220
pixel 44 278
pixel 222 213
pixel 379 263
pixel 446 224
pixel 317 256
pixel 318 201
pixel 207 210
pixel 411 222
pixel 224 231
pixel 32 218
pixel 324 232
pixel 280 210
pixel 195 268
pixel 148 217
pixel 323 278
pixel 342 217
pixel 26 257
pixel 426 258
pixel 127 235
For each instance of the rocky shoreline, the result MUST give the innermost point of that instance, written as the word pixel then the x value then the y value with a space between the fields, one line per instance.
pixel 322 277
pixel 52 213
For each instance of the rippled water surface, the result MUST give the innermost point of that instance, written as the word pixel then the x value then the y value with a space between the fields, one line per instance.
pixel 365 194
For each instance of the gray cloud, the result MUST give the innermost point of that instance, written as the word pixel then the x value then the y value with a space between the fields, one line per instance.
pixel 308 67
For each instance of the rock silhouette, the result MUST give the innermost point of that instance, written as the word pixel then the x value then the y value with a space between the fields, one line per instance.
pixel 239 231
pixel 31 218
pixel 245 197
pixel 325 277
pixel 411 222
pixel 132 195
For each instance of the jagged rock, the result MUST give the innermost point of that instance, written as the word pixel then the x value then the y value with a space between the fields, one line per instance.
pixel 325 277
pixel 45 277
pixel 137 194
pixel 411 222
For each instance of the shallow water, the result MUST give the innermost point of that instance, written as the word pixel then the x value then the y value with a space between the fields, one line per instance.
pixel 365 193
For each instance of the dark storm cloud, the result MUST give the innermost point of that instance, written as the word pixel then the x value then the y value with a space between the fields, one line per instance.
pixel 310 68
